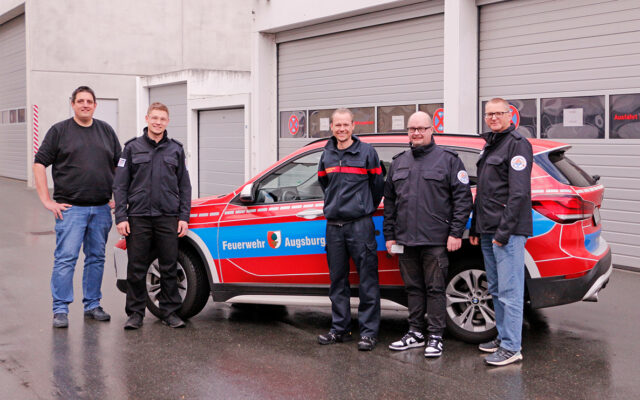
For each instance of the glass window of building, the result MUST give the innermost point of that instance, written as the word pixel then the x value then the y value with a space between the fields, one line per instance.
pixel 624 116
pixel 526 120
pixel 394 118
pixel 572 117
pixel 293 124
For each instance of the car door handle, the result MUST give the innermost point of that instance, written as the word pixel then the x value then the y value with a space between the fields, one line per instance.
pixel 310 214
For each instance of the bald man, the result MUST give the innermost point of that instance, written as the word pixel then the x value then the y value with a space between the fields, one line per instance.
pixel 427 201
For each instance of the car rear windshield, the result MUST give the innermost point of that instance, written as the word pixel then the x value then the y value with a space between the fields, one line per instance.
pixel 559 166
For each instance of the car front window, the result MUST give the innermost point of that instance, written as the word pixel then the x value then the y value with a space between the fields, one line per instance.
pixel 296 180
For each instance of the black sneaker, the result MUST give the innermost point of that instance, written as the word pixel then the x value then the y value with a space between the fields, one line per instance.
pixel 98 314
pixel 134 322
pixel 367 343
pixel 332 338
pixel 408 341
pixel 60 320
pixel 503 357
pixel 490 347
pixel 174 321
pixel 434 346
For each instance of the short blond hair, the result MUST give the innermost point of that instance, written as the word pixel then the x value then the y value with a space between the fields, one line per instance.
pixel 157 106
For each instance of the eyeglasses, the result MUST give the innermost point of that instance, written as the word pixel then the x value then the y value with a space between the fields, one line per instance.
pixel 495 114
pixel 421 129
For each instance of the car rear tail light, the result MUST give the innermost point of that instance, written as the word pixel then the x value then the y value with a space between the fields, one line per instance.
pixel 563 209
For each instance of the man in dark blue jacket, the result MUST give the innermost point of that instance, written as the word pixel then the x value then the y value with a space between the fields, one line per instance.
pixel 351 178
pixel 427 202
pixel 502 222
pixel 152 191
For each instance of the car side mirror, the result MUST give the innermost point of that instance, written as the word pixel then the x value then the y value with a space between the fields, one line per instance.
pixel 596 178
pixel 247 195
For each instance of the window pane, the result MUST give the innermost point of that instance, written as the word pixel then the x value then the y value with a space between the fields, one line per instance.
pixel 430 108
pixel 292 124
pixel 527 109
pixel 319 123
pixel 5 117
pixel 394 118
pixel 572 117
pixel 13 116
pixel 624 117
pixel 297 180
pixel 21 115
pixel 364 118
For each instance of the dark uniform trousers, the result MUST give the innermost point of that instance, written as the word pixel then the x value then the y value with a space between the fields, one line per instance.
pixel 424 270
pixel 148 234
pixel 355 239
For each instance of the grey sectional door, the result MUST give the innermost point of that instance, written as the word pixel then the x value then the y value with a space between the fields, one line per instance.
pixel 13 97
pixel 221 147
pixel 175 98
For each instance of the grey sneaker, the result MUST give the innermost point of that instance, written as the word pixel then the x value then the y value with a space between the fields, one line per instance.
pixel 98 314
pixel 434 346
pixel 174 321
pixel 134 322
pixel 408 341
pixel 490 347
pixel 333 337
pixel 367 343
pixel 60 320
pixel 503 357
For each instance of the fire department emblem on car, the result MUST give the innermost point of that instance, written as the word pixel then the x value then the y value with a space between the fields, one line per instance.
pixel 274 238
pixel 518 163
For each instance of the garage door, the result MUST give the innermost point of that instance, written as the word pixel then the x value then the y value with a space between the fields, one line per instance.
pixel 575 64
pixel 389 64
pixel 13 100
pixel 221 145
pixel 175 98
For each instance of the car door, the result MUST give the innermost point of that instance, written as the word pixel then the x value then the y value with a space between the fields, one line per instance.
pixel 280 237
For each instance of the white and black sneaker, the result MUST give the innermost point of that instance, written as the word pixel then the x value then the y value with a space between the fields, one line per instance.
pixel 434 346
pixel 410 340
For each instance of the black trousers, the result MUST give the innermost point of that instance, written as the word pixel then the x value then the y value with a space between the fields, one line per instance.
pixel 424 271
pixel 152 237
pixel 356 240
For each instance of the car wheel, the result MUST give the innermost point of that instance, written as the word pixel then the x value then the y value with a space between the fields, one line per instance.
pixel 470 315
pixel 192 285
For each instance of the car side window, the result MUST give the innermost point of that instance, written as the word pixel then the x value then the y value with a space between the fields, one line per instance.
pixel 386 154
pixel 296 180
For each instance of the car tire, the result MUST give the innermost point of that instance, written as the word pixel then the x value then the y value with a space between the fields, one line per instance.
pixel 192 285
pixel 470 315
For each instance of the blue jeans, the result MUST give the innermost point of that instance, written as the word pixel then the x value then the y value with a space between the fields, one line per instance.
pixel 505 275
pixel 87 227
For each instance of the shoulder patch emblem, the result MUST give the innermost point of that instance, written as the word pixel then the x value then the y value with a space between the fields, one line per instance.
pixel 518 163
pixel 122 162
pixel 463 177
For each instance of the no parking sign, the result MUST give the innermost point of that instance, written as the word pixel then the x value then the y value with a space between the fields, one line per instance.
pixel 438 120
pixel 515 118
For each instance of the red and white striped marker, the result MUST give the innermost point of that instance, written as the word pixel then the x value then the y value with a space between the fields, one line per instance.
pixel 36 141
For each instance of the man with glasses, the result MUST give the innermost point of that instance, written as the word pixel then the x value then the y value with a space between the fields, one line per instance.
pixel 501 224
pixel 350 174
pixel 427 202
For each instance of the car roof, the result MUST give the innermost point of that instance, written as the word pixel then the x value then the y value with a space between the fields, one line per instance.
pixel 472 141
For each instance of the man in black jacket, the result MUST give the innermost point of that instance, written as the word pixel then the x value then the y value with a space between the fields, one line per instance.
pixel 153 200
pixel 502 222
pixel 83 152
pixel 427 202
pixel 351 178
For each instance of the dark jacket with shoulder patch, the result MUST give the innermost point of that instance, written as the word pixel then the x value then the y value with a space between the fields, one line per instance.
pixel 152 180
pixel 351 180
pixel 426 197
pixel 503 197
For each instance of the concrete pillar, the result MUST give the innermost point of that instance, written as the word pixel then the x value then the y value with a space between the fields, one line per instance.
pixel 460 66
pixel 264 106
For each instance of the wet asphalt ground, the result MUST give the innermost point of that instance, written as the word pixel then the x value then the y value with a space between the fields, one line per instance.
pixel 577 351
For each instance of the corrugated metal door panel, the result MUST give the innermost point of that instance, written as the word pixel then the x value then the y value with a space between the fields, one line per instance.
pixel 560 46
pixel 539 48
pixel 220 151
pixel 13 95
pixel 175 98
pixel 368 66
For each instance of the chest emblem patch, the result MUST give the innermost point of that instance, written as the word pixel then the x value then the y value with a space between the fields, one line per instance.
pixel 463 177
pixel 121 162
pixel 518 163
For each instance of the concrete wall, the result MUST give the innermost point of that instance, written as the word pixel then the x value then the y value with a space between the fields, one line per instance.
pixel 109 45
